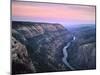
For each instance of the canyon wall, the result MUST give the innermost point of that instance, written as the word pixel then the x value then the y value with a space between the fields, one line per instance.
pixel 43 43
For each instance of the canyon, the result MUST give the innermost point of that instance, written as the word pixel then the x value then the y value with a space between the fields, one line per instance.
pixel 38 47
pixel 44 43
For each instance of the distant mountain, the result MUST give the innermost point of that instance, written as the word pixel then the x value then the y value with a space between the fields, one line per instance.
pixel 71 27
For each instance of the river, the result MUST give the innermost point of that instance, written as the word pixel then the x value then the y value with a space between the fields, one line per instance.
pixel 65 53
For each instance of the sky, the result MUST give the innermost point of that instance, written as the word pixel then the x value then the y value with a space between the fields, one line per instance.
pixel 65 14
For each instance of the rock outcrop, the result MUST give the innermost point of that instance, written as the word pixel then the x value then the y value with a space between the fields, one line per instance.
pixel 21 62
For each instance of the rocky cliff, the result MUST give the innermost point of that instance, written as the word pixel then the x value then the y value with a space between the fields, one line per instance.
pixel 40 45
pixel 21 62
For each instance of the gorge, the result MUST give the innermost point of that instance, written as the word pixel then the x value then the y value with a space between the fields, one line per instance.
pixel 49 47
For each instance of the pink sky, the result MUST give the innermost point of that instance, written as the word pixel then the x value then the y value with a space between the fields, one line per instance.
pixel 28 11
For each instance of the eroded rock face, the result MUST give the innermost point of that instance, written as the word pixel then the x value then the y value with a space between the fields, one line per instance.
pixel 21 63
pixel 87 56
pixel 83 57
pixel 44 43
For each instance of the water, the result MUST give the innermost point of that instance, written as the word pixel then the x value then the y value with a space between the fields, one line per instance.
pixel 65 53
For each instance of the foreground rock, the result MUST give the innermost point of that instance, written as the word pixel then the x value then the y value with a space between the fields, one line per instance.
pixel 21 63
